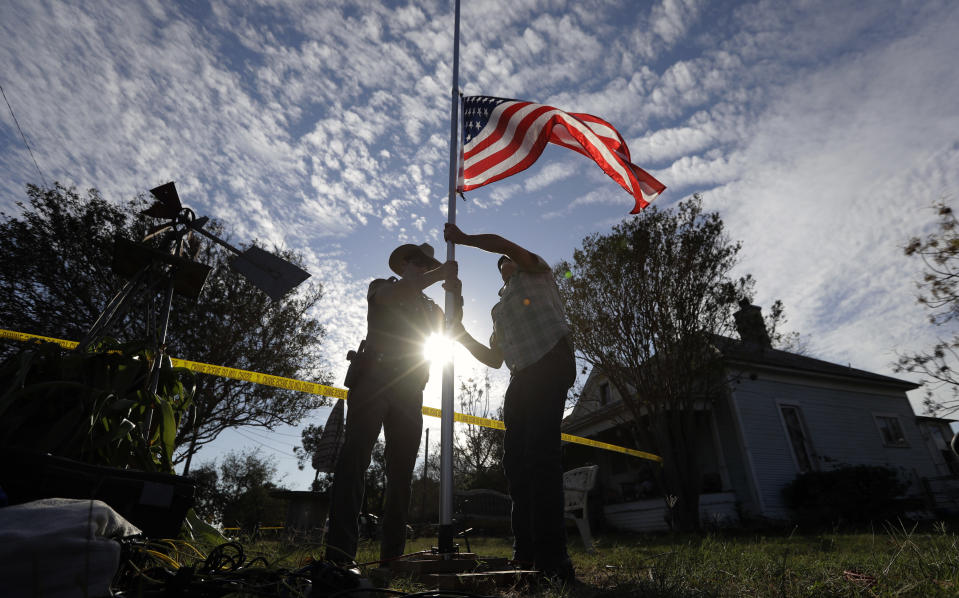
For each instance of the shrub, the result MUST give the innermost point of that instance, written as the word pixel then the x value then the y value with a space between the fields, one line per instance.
pixel 851 494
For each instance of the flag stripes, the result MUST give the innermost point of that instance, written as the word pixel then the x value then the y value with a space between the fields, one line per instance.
pixel 503 137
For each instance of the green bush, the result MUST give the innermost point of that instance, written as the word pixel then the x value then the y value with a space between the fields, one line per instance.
pixel 853 494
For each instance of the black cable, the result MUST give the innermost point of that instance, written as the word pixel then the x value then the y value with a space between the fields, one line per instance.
pixel 349 591
pixel 226 572
pixel 445 594
pixel 219 561
pixel 266 563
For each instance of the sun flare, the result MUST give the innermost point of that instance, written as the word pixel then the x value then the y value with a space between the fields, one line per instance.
pixel 438 349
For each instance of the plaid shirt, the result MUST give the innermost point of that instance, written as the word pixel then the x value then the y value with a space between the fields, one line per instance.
pixel 529 319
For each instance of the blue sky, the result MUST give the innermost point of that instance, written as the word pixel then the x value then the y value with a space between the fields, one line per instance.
pixel 822 132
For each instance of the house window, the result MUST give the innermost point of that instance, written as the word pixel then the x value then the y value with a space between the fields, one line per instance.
pixel 802 448
pixel 891 430
pixel 604 393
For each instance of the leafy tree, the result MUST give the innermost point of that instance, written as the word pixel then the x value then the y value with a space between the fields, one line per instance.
pixel 55 262
pixel 645 303
pixel 374 488
pixel 245 482
pixel 782 340
pixel 938 291
pixel 478 451
pixel 237 492
pixel 209 501
pixel 304 454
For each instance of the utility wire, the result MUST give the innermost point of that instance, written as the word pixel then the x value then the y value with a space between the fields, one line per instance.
pixel 22 136
pixel 265 436
pixel 282 453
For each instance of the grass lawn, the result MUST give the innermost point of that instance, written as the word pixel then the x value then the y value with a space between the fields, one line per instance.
pixel 891 560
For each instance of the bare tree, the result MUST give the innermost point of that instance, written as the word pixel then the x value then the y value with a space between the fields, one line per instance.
pixel 939 292
pixel 478 451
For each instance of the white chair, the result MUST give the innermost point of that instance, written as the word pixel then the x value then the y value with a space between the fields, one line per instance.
pixel 576 485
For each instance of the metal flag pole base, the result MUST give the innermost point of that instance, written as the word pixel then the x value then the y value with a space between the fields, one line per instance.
pixel 445 540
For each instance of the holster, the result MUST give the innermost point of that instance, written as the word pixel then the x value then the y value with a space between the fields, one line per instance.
pixel 357 361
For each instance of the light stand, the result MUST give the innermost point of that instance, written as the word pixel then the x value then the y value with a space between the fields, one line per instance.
pixel 147 269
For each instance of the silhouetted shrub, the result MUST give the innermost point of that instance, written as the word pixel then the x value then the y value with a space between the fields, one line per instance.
pixel 851 494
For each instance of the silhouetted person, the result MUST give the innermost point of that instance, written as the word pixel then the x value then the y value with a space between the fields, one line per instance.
pixel 388 393
pixel 531 334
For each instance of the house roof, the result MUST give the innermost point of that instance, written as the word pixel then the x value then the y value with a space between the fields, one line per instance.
pixel 736 351
pixel 929 418
pixel 579 418
pixel 744 354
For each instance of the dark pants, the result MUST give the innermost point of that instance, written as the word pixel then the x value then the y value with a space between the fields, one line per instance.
pixel 397 407
pixel 532 456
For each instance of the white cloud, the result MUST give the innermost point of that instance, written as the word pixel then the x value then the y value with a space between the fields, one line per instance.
pixel 548 174
pixel 671 19
pixel 672 142
pixel 697 172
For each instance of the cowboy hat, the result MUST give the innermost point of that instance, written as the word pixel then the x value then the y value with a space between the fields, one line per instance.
pixel 405 252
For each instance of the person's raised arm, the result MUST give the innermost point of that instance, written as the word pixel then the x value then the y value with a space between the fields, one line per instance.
pixel 450 285
pixel 490 356
pixel 414 282
pixel 524 258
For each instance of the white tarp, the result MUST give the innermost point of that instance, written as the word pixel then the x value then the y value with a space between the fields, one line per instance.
pixel 59 547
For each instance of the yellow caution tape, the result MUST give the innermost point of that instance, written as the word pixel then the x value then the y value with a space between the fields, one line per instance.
pixel 498 425
pixel 206 368
pixel 333 392
pixel 467 419
pixel 22 336
pixel 611 447
pixel 265 379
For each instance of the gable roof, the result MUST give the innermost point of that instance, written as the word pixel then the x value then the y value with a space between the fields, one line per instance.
pixel 591 410
pixel 737 352
pixel 741 353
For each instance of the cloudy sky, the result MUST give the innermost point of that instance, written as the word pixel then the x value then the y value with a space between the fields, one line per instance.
pixel 822 132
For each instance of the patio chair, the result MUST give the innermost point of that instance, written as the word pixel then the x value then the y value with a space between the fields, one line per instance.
pixel 576 485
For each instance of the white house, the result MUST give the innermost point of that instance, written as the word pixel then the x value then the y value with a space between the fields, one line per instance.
pixel 781 414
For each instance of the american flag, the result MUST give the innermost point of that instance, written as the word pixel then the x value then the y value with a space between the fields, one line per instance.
pixel 502 137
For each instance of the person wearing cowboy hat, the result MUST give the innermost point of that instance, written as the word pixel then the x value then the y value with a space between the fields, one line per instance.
pixel 531 335
pixel 388 393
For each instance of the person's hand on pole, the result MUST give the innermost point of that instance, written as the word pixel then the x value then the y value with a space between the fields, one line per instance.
pixel 455 287
pixel 453 234
pixel 450 270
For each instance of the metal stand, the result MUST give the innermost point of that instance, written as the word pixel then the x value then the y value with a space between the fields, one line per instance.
pixel 147 270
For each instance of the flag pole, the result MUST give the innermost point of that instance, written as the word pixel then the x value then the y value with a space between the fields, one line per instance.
pixel 445 539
